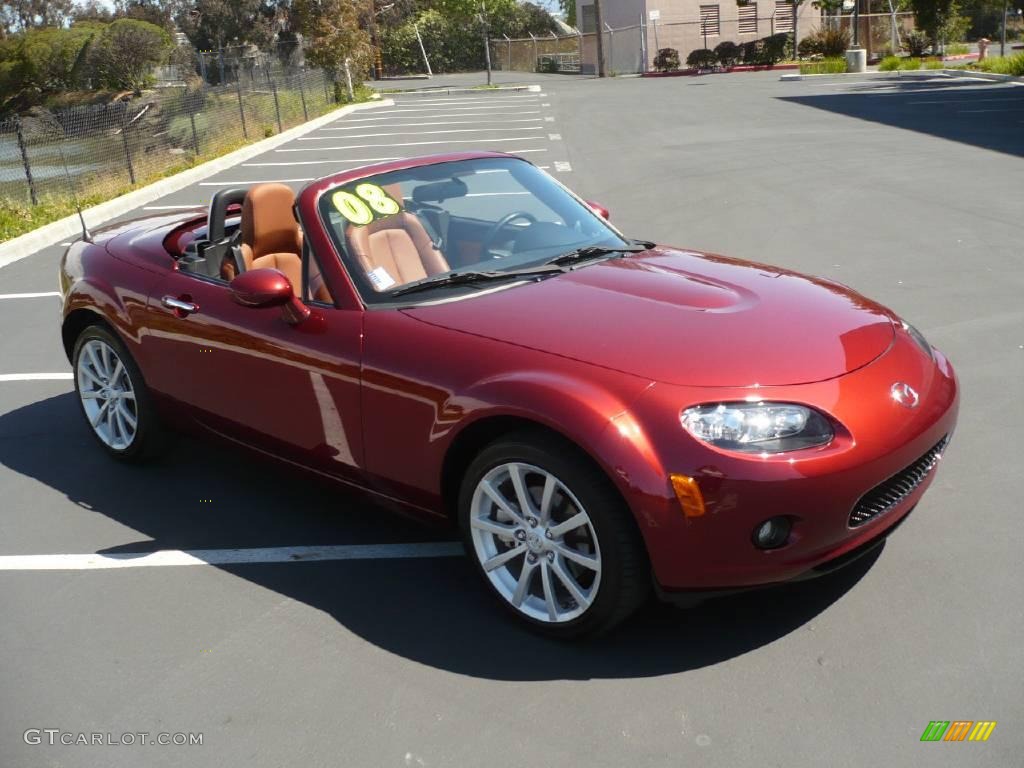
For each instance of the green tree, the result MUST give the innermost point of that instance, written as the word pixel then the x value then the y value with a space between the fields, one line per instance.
pixel 569 9
pixel 39 62
pixel 939 18
pixel 335 30
pixel 22 15
pixel 125 52
pixel 209 24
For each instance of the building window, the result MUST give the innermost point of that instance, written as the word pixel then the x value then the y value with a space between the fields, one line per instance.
pixel 709 20
pixel 748 19
pixel 783 16
pixel 588 19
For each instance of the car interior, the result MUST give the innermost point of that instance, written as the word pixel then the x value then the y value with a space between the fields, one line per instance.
pixel 255 229
pixel 432 226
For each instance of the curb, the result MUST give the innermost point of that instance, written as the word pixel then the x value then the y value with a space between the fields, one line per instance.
pixel 738 68
pixel 968 74
pixel 70 227
pixel 451 90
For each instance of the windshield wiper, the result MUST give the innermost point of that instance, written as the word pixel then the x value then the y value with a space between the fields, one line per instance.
pixel 594 251
pixel 470 277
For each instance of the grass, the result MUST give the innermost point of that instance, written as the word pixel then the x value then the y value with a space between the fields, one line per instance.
pixel 218 132
pixel 957 49
pixel 1002 65
pixel 892 63
pixel 933 64
pixel 17 218
pixel 823 67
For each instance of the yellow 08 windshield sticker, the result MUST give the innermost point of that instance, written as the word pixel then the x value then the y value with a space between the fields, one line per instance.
pixel 367 203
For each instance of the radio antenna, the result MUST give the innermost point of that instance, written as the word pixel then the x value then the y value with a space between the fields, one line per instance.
pixel 86 234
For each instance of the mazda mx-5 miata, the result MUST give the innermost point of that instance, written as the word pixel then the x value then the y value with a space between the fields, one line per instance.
pixel 462 337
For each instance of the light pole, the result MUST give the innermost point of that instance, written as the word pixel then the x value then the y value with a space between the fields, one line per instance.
pixel 487 43
pixel 378 64
pixel 1002 40
pixel 599 25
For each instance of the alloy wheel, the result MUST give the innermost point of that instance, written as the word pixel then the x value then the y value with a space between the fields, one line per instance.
pixel 535 542
pixel 107 394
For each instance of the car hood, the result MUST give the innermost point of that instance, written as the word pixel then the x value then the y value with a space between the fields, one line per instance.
pixel 686 318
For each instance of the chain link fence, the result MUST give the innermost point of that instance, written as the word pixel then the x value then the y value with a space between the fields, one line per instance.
pixel 631 49
pixel 100 151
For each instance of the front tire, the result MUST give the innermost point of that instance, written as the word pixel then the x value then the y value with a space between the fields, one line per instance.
pixel 113 396
pixel 551 536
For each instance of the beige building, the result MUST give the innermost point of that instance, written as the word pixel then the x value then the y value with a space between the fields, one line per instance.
pixel 640 27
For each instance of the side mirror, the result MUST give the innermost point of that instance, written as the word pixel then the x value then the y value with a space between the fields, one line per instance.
pixel 600 210
pixel 262 288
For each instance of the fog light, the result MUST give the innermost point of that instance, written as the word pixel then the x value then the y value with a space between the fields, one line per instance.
pixel 772 533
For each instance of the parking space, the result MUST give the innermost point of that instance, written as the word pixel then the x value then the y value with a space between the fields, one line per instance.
pixel 356 638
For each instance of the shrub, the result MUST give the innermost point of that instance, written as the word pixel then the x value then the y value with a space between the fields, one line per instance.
pixel 667 60
pixel 728 53
pixel 702 58
pixel 957 49
pixel 889 64
pixel 548 64
pixel 910 63
pixel 775 48
pixel 823 67
pixel 916 42
pixel 827 42
pixel 809 46
pixel 752 51
pixel 834 42
pixel 1000 65
pixel 933 64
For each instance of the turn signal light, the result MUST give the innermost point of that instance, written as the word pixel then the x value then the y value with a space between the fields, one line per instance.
pixel 689 495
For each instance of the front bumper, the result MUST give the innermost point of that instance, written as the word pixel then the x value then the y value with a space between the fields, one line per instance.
pixel 817 489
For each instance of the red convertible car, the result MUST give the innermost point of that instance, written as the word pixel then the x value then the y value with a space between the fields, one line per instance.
pixel 463 337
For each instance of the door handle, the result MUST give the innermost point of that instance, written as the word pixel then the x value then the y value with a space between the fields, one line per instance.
pixel 181 307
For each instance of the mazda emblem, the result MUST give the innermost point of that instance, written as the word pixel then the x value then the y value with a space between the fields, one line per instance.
pixel 904 394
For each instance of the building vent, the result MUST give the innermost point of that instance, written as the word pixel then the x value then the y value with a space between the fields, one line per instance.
pixel 709 22
pixel 748 18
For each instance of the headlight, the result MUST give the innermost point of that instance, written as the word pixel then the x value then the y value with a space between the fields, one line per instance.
pixel 917 336
pixel 757 427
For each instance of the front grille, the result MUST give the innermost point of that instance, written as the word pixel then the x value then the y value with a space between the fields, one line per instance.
pixel 888 494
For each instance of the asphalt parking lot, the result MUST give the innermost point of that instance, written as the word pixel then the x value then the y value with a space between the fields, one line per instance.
pixel 907 189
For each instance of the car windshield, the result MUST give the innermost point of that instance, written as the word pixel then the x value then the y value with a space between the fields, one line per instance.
pixel 453 226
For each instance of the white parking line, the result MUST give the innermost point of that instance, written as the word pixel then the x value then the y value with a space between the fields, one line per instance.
pixel 399 144
pixel 254 181
pixel 364 161
pixel 502 121
pixel 511 109
pixel 420 133
pixel 172 207
pixel 28 295
pixel 968 100
pixel 169 557
pixel 488 100
pixel 35 376
pixel 433 117
pixel 562 166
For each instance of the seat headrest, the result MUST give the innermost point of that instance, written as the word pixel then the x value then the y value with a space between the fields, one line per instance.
pixel 268 222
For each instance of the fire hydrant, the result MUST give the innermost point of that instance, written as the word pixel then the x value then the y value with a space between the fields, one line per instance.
pixel 983 47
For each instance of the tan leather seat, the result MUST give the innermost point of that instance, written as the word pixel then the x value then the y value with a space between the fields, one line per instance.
pixel 397 244
pixel 272 238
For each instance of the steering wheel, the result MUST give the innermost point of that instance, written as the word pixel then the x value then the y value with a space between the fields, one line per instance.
pixel 500 224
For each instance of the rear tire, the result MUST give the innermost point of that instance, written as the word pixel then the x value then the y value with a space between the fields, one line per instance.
pixel 572 563
pixel 114 398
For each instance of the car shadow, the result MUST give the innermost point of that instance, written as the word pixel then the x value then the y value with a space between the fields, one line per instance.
pixel 962 111
pixel 432 611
